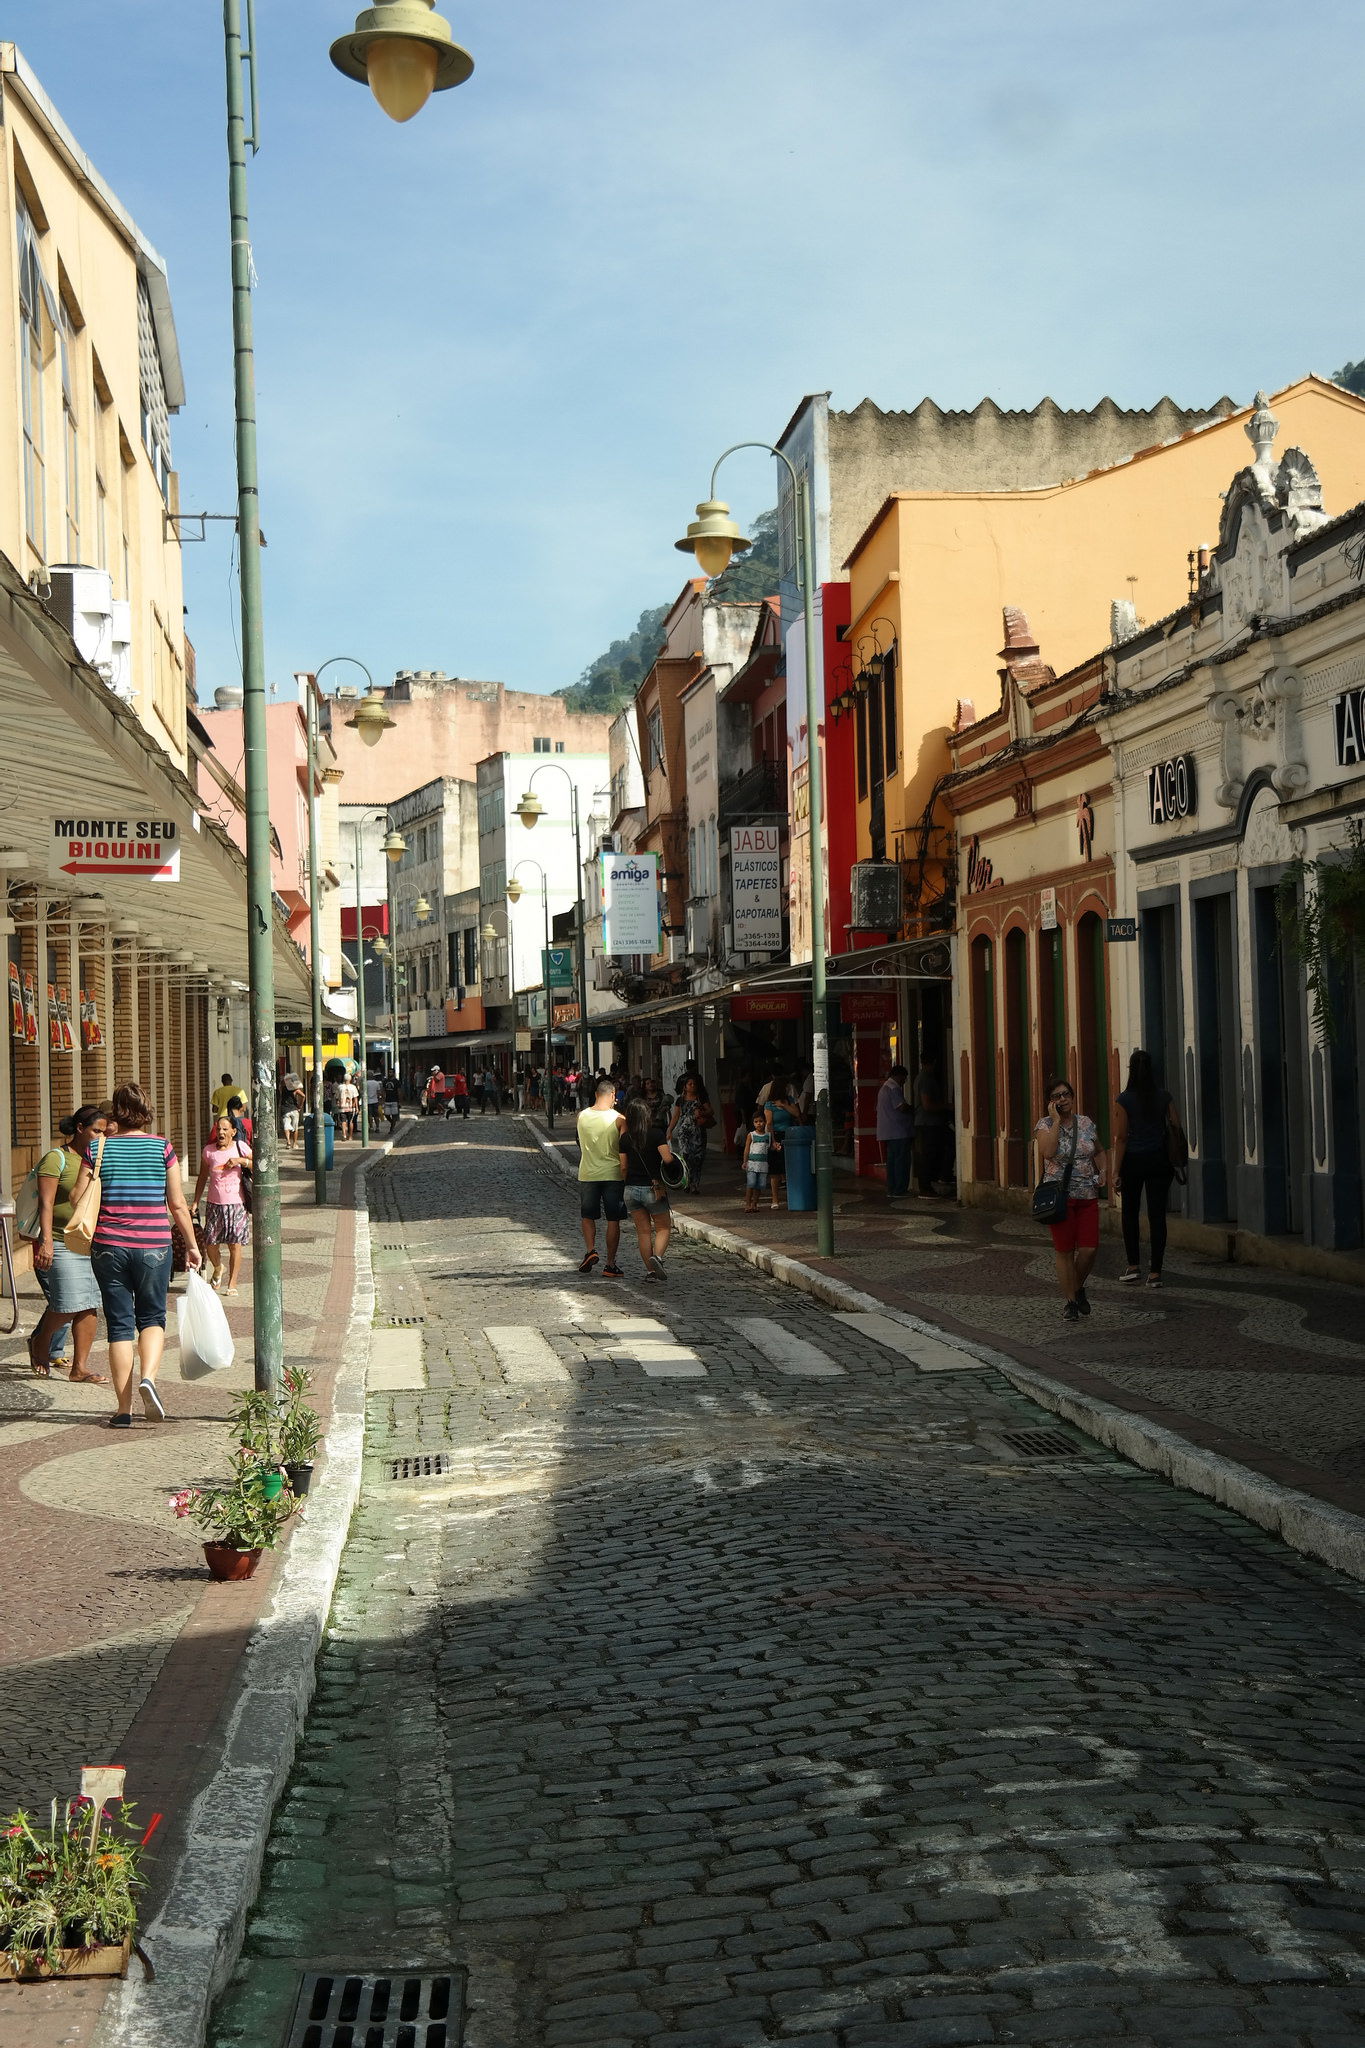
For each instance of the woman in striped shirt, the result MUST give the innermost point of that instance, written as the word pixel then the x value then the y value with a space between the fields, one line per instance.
pixel 131 1252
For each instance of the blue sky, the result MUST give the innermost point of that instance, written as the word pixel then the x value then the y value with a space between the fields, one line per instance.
pixel 499 347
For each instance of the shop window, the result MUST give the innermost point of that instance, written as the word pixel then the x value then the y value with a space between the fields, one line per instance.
pixel 1279 1046
pixel 983 1059
pixel 38 325
pixel 860 744
pixel 1092 1008
pixel 1052 1006
pixel 1019 1121
pixel 889 711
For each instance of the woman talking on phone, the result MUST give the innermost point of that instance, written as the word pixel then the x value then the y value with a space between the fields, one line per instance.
pixel 1070 1151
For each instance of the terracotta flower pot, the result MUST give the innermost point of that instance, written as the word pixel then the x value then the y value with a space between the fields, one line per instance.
pixel 226 1563
pixel 300 1477
pixel 107 1959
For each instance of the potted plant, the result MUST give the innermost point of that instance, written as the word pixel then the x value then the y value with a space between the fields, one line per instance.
pixel 300 1430
pixel 240 1518
pixel 68 1892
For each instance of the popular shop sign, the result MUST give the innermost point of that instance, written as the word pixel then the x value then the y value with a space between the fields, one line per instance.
pixel 147 849
pixel 756 888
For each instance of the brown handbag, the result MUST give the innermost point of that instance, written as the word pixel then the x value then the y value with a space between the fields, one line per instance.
pixel 79 1233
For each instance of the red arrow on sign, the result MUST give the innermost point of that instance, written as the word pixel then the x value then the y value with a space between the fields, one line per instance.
pixel 105 867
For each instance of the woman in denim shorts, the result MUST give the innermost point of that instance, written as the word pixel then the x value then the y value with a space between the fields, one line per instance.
pixel 644 1143
pixel 130 1255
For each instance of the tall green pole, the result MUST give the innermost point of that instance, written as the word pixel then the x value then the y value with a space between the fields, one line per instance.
pixel 580 941
pixel 315 947
pixel 267 1292
pixel 360 997
pixel 819 1002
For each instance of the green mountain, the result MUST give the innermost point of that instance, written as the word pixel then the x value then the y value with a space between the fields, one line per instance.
pixel 1353 377
pixel 609 683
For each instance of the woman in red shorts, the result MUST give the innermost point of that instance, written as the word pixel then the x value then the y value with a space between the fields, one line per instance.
pixel 1068 1139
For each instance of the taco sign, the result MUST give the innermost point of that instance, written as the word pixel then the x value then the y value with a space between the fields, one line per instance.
pixel 146 849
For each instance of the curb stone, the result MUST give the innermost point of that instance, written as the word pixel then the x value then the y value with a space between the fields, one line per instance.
pixel 197 1936
pixel 1331 1535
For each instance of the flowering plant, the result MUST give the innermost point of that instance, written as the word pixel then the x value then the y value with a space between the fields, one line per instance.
pixel 300 1429
pixel 71 1884
pixel 240 1513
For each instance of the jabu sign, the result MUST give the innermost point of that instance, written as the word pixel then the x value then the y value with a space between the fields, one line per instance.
pixel 1171 790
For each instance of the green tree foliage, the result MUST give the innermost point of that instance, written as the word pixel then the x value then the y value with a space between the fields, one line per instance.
pixel 609 683
pixel 1353 377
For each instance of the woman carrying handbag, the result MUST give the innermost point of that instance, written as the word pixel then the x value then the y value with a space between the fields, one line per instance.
pixel 1067 1198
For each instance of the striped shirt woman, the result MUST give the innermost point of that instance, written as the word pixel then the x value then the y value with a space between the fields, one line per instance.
pixel 130 1254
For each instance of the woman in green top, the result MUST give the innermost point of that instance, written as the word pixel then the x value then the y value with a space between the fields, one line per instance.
pixel 66 1279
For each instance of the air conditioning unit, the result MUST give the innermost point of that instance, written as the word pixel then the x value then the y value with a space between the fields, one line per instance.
pixel 83 601
pixel 699 928
pixel 677 948
pixel 876 893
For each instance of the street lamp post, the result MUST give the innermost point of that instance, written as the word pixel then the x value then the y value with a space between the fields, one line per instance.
pixel 404 51
pixel 514 891
pixel 395 846
pixel 267 1287
pixel 713 538
pixel 528 810
pixel 315 942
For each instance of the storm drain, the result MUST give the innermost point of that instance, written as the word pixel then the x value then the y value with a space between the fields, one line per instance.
pixel 1039 1443
pixel 400 2011
pixel 402 1322
pixel 418 1465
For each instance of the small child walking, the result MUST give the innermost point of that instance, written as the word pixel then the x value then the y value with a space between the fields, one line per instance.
pixel 756 1161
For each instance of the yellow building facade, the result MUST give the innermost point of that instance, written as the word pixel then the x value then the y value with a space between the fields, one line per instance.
pixel 91 363
pixel 934 571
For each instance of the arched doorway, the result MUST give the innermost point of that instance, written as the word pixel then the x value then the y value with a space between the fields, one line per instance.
pixel 983 1059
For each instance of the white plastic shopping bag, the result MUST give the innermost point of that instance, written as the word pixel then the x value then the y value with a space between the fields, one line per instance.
pixel 205 1340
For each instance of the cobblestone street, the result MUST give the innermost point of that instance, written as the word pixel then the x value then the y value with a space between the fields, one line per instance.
pixel 742 1680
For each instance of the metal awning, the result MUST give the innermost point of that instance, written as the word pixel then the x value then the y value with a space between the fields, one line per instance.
pixel 67 743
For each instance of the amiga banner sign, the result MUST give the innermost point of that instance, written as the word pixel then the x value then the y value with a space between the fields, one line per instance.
pixel 630 902
pixel 144 849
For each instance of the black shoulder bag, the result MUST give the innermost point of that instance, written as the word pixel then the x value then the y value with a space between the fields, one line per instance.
pixel 1050 1196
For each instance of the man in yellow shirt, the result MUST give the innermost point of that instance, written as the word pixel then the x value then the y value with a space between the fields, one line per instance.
pixel 223 1095
pixel 600 1178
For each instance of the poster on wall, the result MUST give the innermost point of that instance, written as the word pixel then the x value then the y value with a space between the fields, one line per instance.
pixel 630 902
pixel 756 888
pixel 92 1038
pixel 18 1029
pixel 54 1022
pixel 64 1019
pixel 30 1008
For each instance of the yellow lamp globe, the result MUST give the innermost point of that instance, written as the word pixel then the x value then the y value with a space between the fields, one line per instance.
pixel 530 808
pixel 395 846
pixel 713 537
pixel 404 51
pixel 401 75
pixel 514 892
pixel 370 718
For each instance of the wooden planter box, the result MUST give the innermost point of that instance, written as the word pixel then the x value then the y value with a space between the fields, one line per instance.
pixel 105 1960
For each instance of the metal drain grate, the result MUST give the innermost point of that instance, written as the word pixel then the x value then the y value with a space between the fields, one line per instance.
pixel 398 2011
pixel 403 1322
pixel 418 1465
pixel 1039 1443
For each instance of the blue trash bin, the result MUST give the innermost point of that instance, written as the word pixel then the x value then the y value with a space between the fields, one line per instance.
pixel 328 1141
pixel 798 1145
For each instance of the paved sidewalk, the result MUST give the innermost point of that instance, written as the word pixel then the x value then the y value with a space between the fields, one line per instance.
pixel 115 1646
pixel 1244 1361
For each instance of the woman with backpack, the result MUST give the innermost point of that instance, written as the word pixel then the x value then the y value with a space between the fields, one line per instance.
pixel 225 1163
pixel 1148 1145
pixel 65 1277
